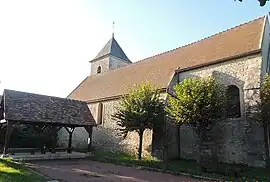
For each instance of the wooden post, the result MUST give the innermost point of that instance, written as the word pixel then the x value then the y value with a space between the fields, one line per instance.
pixel 2 134
pixel 53 139
pixel 39 129
pixel 8 134
pixel 70 131
pixel 69 142
pixel 89 129
pixel 89 143
pixel 55 129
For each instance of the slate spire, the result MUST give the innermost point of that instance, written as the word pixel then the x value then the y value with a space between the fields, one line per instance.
pixel 112 48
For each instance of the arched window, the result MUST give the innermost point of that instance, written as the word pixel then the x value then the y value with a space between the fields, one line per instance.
pixel 233 97
pixel 100 113
pixel 99 69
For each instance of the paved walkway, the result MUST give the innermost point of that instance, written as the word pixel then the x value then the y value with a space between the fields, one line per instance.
pixel 87 170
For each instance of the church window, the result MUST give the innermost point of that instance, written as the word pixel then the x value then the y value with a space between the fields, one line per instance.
pixel 100 113
pixel 233 97
pixel 268 60
pixel 99 69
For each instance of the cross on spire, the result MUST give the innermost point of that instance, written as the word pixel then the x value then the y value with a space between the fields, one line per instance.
pixel 113 29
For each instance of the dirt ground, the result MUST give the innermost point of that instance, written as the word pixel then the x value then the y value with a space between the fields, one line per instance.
pixel 87 170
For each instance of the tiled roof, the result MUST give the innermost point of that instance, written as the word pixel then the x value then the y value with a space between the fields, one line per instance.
pixel 159 69
pixel 28 107
pixel 114 49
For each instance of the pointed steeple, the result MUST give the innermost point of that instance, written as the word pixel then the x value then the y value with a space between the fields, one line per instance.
pixel 110 57
pixel 112 48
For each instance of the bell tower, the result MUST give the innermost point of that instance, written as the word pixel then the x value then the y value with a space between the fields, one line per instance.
pixel 110 57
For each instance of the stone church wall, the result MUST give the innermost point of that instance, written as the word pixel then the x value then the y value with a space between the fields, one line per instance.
pixel 103 63
pixel 266 48
pixel 107 137
pixel 79 138
pixel 239 140
pixel 117 63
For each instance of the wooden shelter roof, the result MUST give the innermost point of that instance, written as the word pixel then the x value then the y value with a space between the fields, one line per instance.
pixel 28 107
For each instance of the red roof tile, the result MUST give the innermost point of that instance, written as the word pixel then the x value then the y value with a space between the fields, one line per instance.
pixel 160 68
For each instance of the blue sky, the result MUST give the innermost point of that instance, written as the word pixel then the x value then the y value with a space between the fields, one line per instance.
pixel 45 46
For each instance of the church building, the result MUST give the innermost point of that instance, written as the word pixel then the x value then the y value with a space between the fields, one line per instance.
pixel 238 57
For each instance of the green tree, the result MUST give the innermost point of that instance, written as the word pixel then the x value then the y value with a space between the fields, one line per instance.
pixel 198 103
pixel 262 2
pixel 139 110
pixel 262 112
pixel 174 113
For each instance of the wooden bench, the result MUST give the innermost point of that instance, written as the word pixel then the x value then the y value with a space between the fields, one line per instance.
pixel 34 150
pixel 20 150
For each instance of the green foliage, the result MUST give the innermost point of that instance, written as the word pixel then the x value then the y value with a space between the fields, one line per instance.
pixel 197 102
pixel 262 2
pixel 265 98
pixel 14 172
pixel 261 113
pixel 140 109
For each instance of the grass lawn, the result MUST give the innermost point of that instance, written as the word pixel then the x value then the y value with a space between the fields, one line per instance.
pixel 13 172
pixel 224 171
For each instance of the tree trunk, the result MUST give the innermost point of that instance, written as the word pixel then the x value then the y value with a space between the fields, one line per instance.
pixel 200 166
pixel 178 140
pixel 140 144
pixel 198 160
pixel 266 143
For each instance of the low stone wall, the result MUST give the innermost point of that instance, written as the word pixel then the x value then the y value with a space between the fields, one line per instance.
pixel 107 136
pixel 235 141
pixel 111 140
pixel 46 156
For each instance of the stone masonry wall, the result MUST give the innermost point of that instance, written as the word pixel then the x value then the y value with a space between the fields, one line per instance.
pixel 107 137
pixel 79 138
pixel 103 63
pixel 239 140
pixel 116 63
